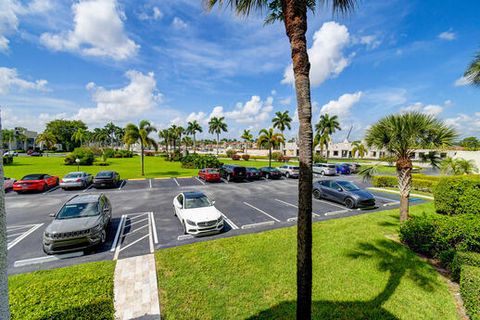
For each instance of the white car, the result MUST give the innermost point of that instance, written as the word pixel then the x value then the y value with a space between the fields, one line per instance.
pixel 324 169
pixel 290 171
pixel 197 213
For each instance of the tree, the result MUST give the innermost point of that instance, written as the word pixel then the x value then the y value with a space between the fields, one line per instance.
pixel 269 139
pixel 458 166
pixel 466 166
pixel 187 142
pixel 247 137
pixel 432 158
pixel 63 131
pixel 100 136
pixel 46 138
pixel 293 14
pixel 282 121
pixel 217 125
pixel 166 135
pixel 192 128
pixel 359 148
pixel 8 136
pixel 80 136
pixel 473 72
pixel 470 143
pixel 325 127
pixel 401 135
pixel 140 134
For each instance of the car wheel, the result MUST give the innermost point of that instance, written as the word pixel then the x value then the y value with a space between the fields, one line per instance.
pixel 349 203
pixel 45 187
pixel 317 194
pixel 287 175
pixel 267 176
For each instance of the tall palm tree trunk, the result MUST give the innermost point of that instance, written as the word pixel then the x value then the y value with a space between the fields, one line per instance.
pixel 218 138
pixel 142 158
pixel 404 175
pixel 270 156
pixel 194 144
pixel 295 19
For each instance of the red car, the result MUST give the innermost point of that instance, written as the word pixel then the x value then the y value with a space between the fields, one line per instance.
pixel 35 182
pixel 209 175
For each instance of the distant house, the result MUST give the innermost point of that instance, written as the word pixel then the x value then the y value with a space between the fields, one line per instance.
pixel 28 142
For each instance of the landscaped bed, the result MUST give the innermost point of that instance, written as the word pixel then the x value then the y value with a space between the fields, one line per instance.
pixel 358 273
pixel 83 291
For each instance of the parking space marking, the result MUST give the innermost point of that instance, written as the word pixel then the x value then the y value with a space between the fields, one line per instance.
pixel 331 203
pixel 89 187
pixel 122 184
pixel 150 182
pixel 51 189
pixel 26 262
pixel 119 229
pixel 331 213
pixel 23 235
pixel 391 202
pixel 292 205
pixel 154 227
pixel 232 225
pixel 134 219
pixel 200 180
pixel 184 237
pixel 176 181
pixel 261 211
pixel 258 224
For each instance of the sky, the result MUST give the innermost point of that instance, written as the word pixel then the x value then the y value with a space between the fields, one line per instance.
pixel 171 62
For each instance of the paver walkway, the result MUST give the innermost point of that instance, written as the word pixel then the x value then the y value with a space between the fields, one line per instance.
pixel 135 289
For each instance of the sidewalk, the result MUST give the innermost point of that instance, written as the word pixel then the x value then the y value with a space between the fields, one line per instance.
pixel 135 289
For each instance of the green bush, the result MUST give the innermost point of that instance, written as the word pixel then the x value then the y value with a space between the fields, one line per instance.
pixel 7 160
pixel 470 290
pixel 419 234
pixel 461 259
pixel 420 182
pixel 235 157
pixel 85 155
pixel 112 153
pixel 231 152
pixel 198 161
pixel 457 195
pixel 385 181
pixel 246 157
pixel 317 158
pixel 277 156
pixel 175 156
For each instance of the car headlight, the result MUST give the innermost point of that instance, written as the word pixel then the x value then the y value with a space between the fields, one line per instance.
pixel 47 235
pixel 96 229
pixel 190 222
pixel 219 219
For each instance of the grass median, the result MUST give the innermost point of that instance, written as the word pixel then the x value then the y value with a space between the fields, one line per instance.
pixel 84 291
pixel 358 273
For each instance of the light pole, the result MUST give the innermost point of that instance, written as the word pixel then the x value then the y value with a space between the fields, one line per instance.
pixel 78 164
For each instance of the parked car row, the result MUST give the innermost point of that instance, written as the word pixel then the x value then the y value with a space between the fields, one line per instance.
pixel 231 172
pixel 331 169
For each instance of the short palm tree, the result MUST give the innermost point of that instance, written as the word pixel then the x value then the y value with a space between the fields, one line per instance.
pixel 359 149
pixel 458 166
pixel 187 142
pixel 325 127
pixel 80 136
pixel 247 137
pixel 47 138
pixel 282 121
pixel 269 139
pixel 192 128
pixel 473 72
pixel 140 134
pixel 216 126
pixel 466 166
pixel 401 135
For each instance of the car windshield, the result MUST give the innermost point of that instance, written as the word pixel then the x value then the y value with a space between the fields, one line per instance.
pixel 197 202
pixel 295 168
pixel 104 174
pixel 74 175
pixel 33 177
pixel 348 185
pixel 252 169
pixel 212 171
pixel 78 210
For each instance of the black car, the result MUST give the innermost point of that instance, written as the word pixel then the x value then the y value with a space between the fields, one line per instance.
pixel 232 172
pixel 106 179
pixel 344 192
pixel 271 173
pixel 253 173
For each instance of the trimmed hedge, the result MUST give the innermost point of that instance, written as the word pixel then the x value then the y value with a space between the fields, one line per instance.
pixel 245 157
pixel 470 290
pixel 420 182
pixel 198 161
pixel 7 160
pixel 85 155
pixel 458 195
pixel 461 259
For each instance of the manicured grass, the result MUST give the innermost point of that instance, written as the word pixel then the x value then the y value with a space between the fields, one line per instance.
pixel 358 273
pixel 83 291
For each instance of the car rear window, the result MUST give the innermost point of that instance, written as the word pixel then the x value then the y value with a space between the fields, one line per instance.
pixel 239 169
pixel 78 210
pixel 105 174
pixel 295 168
pixel 33 177
pixel 74 175
pixel 330 165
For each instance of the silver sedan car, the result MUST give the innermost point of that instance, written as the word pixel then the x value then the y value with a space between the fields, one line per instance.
pixel 76 180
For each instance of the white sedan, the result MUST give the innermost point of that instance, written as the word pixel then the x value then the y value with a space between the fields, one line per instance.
pixel 197 213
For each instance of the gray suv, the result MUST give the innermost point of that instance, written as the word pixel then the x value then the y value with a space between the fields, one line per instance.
pixel 81 223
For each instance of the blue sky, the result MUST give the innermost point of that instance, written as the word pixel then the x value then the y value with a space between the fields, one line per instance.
pixel 171 62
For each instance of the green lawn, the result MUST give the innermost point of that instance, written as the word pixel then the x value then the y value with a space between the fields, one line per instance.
pixel 83 291
pixel 358 273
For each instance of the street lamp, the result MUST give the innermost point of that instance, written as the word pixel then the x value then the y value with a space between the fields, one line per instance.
pixel 78 164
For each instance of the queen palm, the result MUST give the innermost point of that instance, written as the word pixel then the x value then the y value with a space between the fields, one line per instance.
pixel 216 126
pixel 401 135
pixel 247 137
pixel 293 15
pixel 325 127
pixel 140 134
pixel 192 128
pixel 359 149
pixel 282 121
pixel 473 72
pixel 47 138
pixel 269 139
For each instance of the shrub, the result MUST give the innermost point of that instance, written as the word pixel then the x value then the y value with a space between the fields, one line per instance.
pixel 419 182
pixel 175 156
pixel 85 155
pixel 235 157
pixel 7 160
pixel 317 158
pixel 150 153
pixel 230 153
pixel 457 195
pixel 470 290
pixel 385 181
pixel 277 156
pixel 200 161
pixel 108 152
pixel 284 159
pixel 461 259
pixel 419 234
pixel 246 157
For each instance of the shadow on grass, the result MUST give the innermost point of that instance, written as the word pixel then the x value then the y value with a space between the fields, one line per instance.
pixel 96 310
pixel 392 258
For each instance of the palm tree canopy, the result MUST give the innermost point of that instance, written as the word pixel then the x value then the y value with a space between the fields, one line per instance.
pixel 282 121
pixel 473 72
pixel 193 127
pixel 359 147
pixel 217 125
pixel 134 134
pixel 327 124
pixel 269 138
pixel 401 134
pixel 247 136
pixel 47 138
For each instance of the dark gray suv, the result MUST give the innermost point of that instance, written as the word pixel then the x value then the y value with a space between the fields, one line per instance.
pixel 344 192
pixel 81 223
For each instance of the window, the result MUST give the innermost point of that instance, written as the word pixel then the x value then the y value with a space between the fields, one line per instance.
pixel 443 155
pixel 180 199
pixel 333 185
pixel 374 153
pixel 335 153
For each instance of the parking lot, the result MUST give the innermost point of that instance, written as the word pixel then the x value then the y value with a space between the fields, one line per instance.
pixel 143 219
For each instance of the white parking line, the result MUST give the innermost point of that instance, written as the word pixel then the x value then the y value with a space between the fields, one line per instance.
pixel 137 221
pixel 331 203
pixel 200 180
pixel 89 187
pixel 121 185
pixel 26 262
pixel 25 234
pixel 331 213
pixel 292 205
pixel 175 179
pixel 232 225
pixel 150 238
pixel 154 228
pixel 387 199
pixel 261 211
pixel 119 229
pixel 150 181
pixel 258 224
pixel 52 189
pixel 134 242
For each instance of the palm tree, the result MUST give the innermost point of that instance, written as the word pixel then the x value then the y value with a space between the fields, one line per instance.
pixel 432 158
pixel 359 149
pixel 80 136
pixel 134 134
pixel 100 136
pixel 321 140
pixel 247 137
pixel 217 125
pixel 187 142
pixel 8 136
pixel 458 166
pixel 293 15
pixel 47 138
pixel 401 134
pixel 324 129
pixel 269 139
pixel 166 135
pixel 192 128
pixel 282 121
pixel 473 72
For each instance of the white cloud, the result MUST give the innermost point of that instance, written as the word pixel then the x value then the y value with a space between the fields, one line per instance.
pixel 9 79
pixel 370 41
pixel 98 31
pixel 156 14
pixel 430 109
pixel 342 106
pixel 22 118
pixel 251 112
pixel 447 36
pixel 465 124
pixel 286 101
pixel 178 23
pixel 326 54
pixel 138 97
pixel 8 22
pixel 462 81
